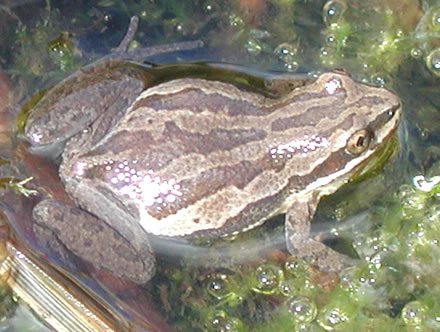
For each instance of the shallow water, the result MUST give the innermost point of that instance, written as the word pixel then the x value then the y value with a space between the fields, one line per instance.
pixel 390 219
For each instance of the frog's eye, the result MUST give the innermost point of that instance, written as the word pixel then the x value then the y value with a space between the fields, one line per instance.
pixel 359 142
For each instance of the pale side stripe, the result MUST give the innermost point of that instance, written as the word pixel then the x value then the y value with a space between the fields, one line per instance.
pixel 207 87
pixel 193 164
pixel 214 210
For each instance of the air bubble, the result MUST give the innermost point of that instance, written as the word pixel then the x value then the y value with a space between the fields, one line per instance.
pixel 208 8
pixel 435 19
pixel 253 47
pixel 380 79
pixel 414 313
pixel 433 62
pixel 302 309
pixel 328 57
pixel 332 319
pixel 236 21
pixel 416 53
pixel 288 55
pixel 333 10
pixel 268 278
pixel 221 321
pixel 218 288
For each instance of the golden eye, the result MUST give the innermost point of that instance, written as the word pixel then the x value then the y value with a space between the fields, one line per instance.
pixel 359 141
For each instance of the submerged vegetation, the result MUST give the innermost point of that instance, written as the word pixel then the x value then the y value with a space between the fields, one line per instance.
pixel 389 222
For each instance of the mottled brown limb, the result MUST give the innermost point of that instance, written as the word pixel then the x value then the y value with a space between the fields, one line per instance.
pixel 129 36
pixel 299 243
pixel 142 53
pixel 67 227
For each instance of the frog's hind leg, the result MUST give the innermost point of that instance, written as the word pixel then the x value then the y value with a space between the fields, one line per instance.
pixel 60 226
pixel 299 243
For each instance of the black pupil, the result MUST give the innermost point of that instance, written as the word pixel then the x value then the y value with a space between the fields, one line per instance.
pixel 360 141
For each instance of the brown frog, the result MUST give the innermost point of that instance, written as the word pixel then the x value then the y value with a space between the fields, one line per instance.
pixel 193 157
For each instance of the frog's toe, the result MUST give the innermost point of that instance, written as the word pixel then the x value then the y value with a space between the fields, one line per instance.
pixel 320 255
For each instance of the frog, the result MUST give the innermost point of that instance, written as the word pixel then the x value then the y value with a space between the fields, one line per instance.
pixel 194 157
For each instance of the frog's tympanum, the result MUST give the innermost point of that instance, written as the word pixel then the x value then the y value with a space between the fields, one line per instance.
pixel 193 157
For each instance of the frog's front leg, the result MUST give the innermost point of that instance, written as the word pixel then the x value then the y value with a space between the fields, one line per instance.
pixel 91 239
pixel 300 244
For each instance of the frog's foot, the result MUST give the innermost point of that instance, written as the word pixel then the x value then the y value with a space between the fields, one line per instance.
pixel 142 53
pixel 297 230
pixel 129 36
pixel 92 240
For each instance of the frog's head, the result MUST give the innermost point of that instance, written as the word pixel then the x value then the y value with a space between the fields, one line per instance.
pixel 358 121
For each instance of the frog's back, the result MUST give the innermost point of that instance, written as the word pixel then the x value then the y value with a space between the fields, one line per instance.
pixel 196 156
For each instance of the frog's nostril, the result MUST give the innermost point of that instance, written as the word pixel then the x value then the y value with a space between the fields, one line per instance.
pixel 392 110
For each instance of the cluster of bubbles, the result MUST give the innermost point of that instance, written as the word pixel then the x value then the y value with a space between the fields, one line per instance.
pixel 268 279
pixel 221 321
pixel 414 313
pixel 427 41
pixel 287 54
pixel 333 16
pixel 61 51
pixel 390 45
